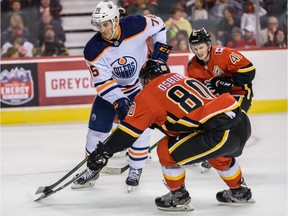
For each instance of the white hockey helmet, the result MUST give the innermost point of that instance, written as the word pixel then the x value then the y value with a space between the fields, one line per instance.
pixel 104 11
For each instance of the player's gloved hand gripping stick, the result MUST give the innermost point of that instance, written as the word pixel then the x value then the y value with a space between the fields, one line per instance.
pixel 102 160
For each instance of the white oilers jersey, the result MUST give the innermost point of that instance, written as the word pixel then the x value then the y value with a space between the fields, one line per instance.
pixel 115 65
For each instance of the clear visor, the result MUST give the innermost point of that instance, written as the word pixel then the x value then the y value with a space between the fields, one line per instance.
pixel 99 26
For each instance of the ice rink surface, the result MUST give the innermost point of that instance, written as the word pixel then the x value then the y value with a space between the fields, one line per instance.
pixel 39 155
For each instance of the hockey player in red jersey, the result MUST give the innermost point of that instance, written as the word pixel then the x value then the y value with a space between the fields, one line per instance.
pixel 198 126
pixel 114 57
pixel 222 69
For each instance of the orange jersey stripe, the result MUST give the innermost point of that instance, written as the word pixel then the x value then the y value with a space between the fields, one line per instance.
pixel 105 85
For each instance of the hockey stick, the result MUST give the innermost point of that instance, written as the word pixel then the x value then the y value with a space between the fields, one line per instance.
pixel 48 189
pixel 120 170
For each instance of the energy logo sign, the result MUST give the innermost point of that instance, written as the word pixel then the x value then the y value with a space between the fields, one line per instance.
pixel 16 86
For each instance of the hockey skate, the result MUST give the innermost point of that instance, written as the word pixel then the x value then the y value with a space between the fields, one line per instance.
pixel 175 201
pixel 86 180
pixel 133 178
pixel 241 195
pixel 205 166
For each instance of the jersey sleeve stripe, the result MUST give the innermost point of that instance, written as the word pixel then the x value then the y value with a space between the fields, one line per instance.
pixel 246 69
pixel 186 123
pixel 129 131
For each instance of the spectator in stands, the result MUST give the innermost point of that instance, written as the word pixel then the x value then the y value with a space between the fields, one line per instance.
pixel 23 46
pixel 249 37
pixel 267 34
pixel 249 16
pixel 16 25
pixel 126 3
pixel 146 11
pixel 280 38
pixel 237 40
pixel 181 34
pixel 283 20
pixel 182 45
pixel 16 8
pixel 52 6
pixel 175 23
pixel 216 11
pixel 51 46
pixel 199 11
pixel 137 6
pixel 12 52
pixel 226 25
pixel 275 7
pixel 278 41
pixel 39 29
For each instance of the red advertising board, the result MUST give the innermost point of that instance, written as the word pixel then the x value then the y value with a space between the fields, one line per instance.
pixel 60 81
pixel 64 83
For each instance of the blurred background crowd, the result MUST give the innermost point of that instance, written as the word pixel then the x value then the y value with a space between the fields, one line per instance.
pixel 33 28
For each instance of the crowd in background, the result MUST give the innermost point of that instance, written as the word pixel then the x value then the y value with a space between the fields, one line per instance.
pixel 34 28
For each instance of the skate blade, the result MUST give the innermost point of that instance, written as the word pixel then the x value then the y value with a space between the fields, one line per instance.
pixel 130 188
pixel 179 208
pixel 204 170
pixel 250 201
pixel 82 186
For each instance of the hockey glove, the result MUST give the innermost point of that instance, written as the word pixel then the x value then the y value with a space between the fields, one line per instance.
pixel 220 85
pixel 161 51
pixel 122 106
pixel 98 158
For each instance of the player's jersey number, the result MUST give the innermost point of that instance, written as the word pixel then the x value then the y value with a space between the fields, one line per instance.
pixel 93 70
pixel 186 100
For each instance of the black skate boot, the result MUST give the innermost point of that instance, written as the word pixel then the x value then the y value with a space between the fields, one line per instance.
pixel 240 195
pixel 86 180
pixel 175 201
pixel 133 178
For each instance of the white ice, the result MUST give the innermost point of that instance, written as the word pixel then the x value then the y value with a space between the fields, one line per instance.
pixel 39 155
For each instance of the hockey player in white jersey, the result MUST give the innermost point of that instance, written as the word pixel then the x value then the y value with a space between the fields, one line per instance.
pixel 114 56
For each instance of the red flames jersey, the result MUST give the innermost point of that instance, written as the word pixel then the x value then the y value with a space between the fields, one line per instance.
pixel 175 103
pixel 225 62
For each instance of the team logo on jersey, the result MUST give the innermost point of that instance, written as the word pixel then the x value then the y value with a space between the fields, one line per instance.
pixel 124 67
pixel 217 70
pixel 16 86
pixel 219 50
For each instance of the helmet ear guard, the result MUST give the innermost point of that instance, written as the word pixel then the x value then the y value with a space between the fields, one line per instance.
pixel 104 11
pixel 152 69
